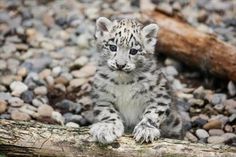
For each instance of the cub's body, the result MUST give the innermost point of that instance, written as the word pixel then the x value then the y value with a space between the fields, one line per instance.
pixel 129 90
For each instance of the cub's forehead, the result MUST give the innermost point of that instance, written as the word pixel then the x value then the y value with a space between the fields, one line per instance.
pixel 129 24
pixel 126 32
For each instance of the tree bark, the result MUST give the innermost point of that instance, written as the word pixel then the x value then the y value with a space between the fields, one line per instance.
pixel 36 139
pixel 194 48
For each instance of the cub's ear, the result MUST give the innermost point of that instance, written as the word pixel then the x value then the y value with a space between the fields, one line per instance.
pixel 149 36
pixel 103 26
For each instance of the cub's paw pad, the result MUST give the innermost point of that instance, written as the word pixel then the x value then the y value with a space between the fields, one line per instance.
pixel 106 132
pixel 145 133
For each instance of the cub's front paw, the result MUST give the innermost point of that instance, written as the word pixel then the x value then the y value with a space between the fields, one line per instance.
pixel 145 133
pixel 106 132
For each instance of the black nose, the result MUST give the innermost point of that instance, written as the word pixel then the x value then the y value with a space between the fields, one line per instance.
pixel 120 66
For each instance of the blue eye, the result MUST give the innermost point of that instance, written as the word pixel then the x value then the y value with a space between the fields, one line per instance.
pixel 113 48
pixel 133 51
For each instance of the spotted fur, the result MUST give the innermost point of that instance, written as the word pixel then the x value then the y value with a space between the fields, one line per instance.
pixel 129 90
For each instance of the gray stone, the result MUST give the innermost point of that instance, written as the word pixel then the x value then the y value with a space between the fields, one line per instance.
pixel 85 101
pixel 218 98
pixel 230 106
pixel 9 48
pixel 67 105
pixel 221 139
pixel 3 65
pixel 228 128
pixel 196 102
pixel 7 79
pixel 199 122
pixel 5 116
pixel 27 96
pixel 216 132
pixel 58 117
pixel 17 115
pixel 12 65
pixel 183 105
pixel 232 118
pixel 199 92
pixel 38 101
pixel 37 64
pixel 191 137
pixel 16 102
pixel 5 96
pixel 30 110
pixel 32 80
pixel 201 133
pixel 88 115
pixel 69 117
pixel 171 71
pixel 219 107
pixel 45 110
pixel 40 90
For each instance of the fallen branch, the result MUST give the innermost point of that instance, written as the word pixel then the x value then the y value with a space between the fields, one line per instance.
pixel 36 139
pixel 197 49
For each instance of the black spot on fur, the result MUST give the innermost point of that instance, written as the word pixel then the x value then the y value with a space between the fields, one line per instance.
pixel 160 113
pixel 162 104
pixel 96 112
pixel 147 112
pixel 166 96
pixel 103 75
pixel 112 120
pixel 105 118
pixel 113 81
pixel 112 111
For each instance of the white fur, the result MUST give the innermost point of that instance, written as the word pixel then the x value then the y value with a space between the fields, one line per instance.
pixel 143 133
pixel 106 132
pixel 130 109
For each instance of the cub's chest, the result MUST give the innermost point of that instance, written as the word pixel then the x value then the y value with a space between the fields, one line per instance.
pixel 128 103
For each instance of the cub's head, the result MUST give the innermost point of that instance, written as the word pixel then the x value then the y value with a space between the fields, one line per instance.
pixel 125 44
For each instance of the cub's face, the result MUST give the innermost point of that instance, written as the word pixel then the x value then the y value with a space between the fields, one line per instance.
pixel 124 44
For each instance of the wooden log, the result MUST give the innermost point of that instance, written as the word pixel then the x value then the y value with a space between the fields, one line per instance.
pixel 36 139
pixel 194 48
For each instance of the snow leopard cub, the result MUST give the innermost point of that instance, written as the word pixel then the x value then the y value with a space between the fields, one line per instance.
pixel 129 89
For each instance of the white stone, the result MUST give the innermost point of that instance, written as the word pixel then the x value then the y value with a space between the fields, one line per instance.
pixel 81 61
pixel 77 82
pixel 40 90
pixel 177 85
pixel 18 87
pixel 56 71
pixel 72 125
pixel 201 133
pixel 171 70
pixel 231 88
pixel 86 71
pixel 58 117
pixel 45 110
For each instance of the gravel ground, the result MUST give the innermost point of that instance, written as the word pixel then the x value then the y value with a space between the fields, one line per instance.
pixel 47 63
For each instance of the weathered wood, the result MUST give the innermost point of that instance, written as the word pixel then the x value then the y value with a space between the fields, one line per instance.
pixel 194 48
pixel 36 139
